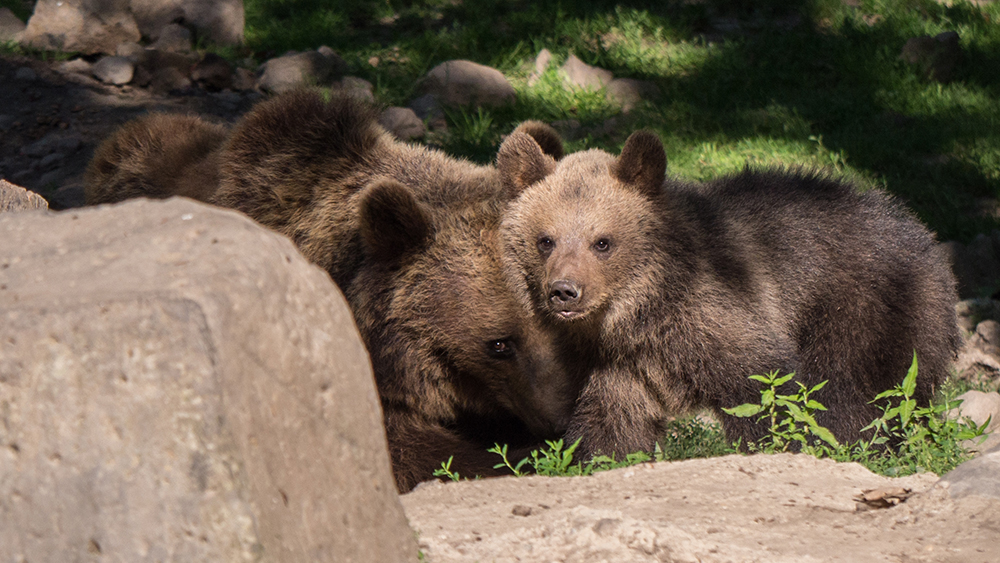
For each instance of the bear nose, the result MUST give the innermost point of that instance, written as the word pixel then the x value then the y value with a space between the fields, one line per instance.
pixel 564 292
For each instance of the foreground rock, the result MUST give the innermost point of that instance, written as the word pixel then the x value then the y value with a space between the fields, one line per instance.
pixel 774 509
pixel 16 198
pixel 177 383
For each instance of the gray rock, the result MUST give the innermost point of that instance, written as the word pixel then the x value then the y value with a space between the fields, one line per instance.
pixel 426 107
pixel 579 74
pixel 467 83
pixel 980 407
pixel 76 66
pixel 16 198
pixel 179 383
pixel 26 74
pixel 219 21
pixel 131 51
pixel 51 179
pixel 542 62
pixel 113 70
pixel 52 142
pixel 291 71
pixel 213 73
pixel 403 123
pixel 988 332
pixel 11 26
pixel 244 79
pixel 174 38
pixel 358 87
pixel 629 92
pixel 976 477
pixel 80 25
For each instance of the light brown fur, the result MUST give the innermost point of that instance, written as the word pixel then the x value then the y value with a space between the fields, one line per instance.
pixel 669 295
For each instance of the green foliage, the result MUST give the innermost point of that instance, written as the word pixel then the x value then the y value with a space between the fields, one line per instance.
pixel 446 471
pixel 791 417
pixel 692 438
pixel 907 438
pixel 816 83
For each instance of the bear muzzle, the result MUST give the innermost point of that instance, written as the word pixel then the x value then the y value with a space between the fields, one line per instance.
pixel 566 299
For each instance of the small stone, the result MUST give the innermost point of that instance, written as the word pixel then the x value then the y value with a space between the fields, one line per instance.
pixel 114 70
pixel 173 38
pixel 465 83
pixel 77 66
pixel 52 160
pixel 630 92
pixel 358 87
pixel 403 123
pixel 131 51
pixel 521 510
pixel 300 69
pixel 11 26
pixel 16 198
pixel 581 75
pixel 213 73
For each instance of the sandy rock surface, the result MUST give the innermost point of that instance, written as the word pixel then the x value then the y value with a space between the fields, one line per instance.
pixel 734 509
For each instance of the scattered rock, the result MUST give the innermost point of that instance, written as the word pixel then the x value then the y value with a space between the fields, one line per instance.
pixel 213 73
pixel 355 86
pixel 579 74
pixel 77 66
pixel 243 80
pixel 131 51
pixel 465 83
pixel 219 21
pixel 113 70
pixel 300 69
pixel 403 123
pixel 11 26
pixel 977 477
pixel 50 143
pixel 51 160
pixel 427 107
pixel 936 58
pixel 629 92
pixel 16 198
pixel 179 382
pixel 80 25
pixel 174 38
pixel 980 407
pixel 542 62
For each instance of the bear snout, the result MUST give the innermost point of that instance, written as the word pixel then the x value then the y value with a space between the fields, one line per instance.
pixel 566 297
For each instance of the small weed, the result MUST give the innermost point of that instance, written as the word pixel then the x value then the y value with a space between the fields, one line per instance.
pixel 445 470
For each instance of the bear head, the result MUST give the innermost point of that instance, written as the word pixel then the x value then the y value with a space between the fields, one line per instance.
pixel 583 230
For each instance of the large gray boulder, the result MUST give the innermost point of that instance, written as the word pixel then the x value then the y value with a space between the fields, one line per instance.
pixel 98 26
pixel 178 383
pixel 87 26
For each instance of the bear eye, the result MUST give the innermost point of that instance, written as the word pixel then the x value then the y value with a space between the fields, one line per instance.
pixel 546 244
pixel 602 245
pixel 500 349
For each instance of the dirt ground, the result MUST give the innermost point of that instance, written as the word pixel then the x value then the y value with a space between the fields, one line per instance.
pixel 734 509
pixel 64 116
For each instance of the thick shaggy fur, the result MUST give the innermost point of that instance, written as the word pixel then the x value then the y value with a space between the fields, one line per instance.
pixel 669 295
pixel 411 237
pixel 157 156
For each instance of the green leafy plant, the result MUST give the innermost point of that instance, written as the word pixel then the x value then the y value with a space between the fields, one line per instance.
pixel 791 417
pixel 445 470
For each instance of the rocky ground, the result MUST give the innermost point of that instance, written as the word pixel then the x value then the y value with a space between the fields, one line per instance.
pixel 51 121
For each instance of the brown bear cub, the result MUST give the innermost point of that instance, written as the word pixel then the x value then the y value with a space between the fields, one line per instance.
pixel 669 295
pixel 157 156
pixel 411 236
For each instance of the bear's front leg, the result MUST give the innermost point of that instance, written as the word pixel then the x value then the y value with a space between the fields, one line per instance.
pixel 617 414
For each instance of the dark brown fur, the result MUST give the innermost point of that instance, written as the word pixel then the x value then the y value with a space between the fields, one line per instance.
pixel 669 295
pixel 410 235
pixel 157 156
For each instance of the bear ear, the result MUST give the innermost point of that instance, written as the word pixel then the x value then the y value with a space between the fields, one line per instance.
pixel 643 163
pixel 547 138
pixel 393 223
pixel 521 163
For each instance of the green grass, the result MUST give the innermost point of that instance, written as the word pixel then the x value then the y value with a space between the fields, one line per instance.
pixel 828 92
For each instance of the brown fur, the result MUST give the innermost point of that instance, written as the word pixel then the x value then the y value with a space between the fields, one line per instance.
pixel 669 295
pixel 410 235
pixel 157 156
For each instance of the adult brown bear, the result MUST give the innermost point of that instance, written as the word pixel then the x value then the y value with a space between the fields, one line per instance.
pixel 411 237
pixel 669 295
